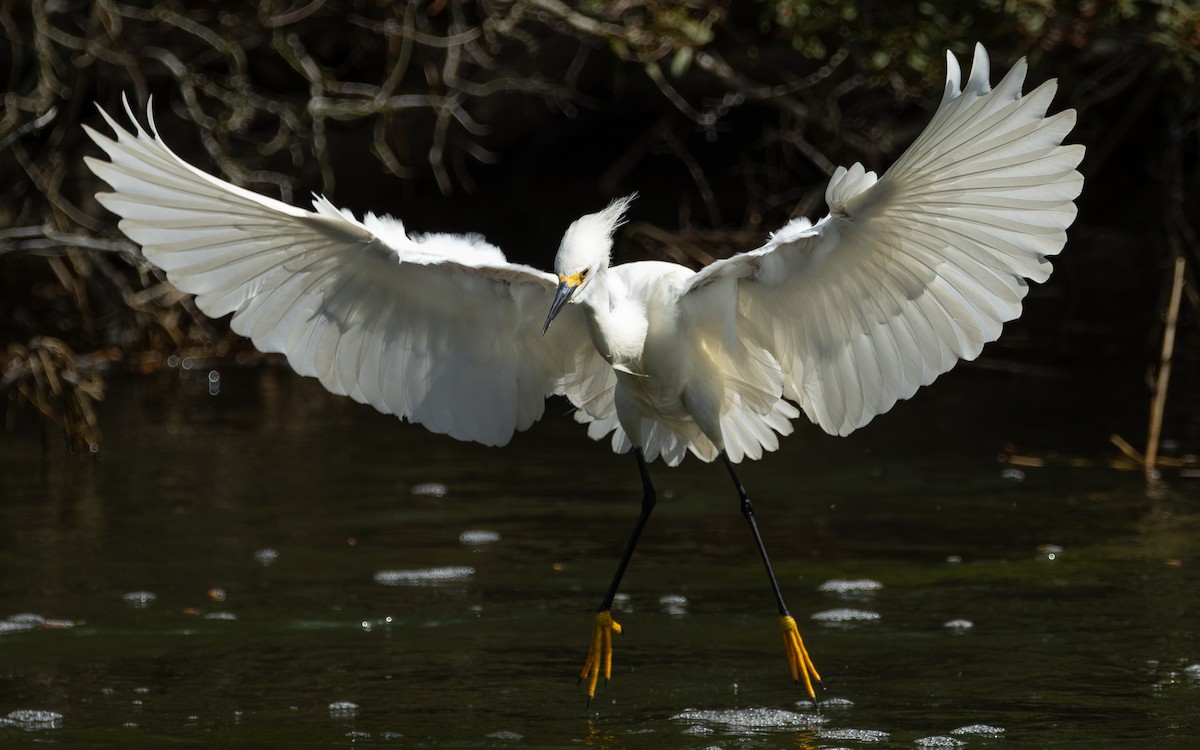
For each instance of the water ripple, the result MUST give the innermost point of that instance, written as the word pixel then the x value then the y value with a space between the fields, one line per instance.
pixel 32 720
pixel 939 741
pixel 476 537
pixel 855 735
pixel 674 604
pixel 26 621
pixel 425 576
pixel 845 616
pixel 752 718
pixel 430 489
pixel 981 730
pixel 850 587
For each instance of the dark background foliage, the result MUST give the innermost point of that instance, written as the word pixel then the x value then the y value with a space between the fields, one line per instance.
pixel 513 118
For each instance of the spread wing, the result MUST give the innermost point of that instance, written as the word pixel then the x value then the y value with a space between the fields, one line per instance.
pixel 920 268
pixel 438 329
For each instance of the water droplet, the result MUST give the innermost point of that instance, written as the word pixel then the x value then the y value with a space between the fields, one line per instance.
pixel 139 599
pixel 505 735
pixel 1049 551
pixel 959 625
pixel 369 625
pixel 1012 475
pixel 266 556
pixel 343 709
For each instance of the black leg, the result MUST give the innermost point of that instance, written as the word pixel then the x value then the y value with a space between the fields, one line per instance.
pixel 798 659
pixel 748 512
pixel 599 658
pixel 648 500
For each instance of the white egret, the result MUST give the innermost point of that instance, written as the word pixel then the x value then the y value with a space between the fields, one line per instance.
pixel 909 273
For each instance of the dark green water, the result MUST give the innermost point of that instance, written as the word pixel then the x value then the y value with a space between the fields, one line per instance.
pixel 296 505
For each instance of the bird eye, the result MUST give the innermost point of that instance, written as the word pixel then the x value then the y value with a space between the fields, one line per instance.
pixel 583 274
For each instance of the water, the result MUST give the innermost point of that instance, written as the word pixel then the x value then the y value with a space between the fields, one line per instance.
pixel 275 567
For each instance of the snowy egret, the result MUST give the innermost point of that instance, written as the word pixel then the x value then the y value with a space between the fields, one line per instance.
pixel 909 273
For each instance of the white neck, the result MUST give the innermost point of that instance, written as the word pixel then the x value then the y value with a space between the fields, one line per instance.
pixel 617 326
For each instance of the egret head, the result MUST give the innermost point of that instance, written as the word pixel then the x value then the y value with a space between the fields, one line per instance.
pixel 584 254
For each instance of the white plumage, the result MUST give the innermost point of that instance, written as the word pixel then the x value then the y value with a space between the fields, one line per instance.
pixel 908 274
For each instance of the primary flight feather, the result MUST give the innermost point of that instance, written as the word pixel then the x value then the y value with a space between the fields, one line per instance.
pixel 909 273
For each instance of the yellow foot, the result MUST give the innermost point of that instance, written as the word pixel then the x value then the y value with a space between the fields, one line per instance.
pixel 600 651
pixel 798 658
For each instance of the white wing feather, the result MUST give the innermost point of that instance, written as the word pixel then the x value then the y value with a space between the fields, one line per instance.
pixel 438 329
pixel 920 268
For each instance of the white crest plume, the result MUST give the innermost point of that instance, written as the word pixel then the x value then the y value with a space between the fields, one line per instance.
pixel 590 237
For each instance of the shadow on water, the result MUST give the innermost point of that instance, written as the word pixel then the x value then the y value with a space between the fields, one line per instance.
pixel 279 567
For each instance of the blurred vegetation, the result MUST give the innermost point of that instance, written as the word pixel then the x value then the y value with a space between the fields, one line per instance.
pixel 513 118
